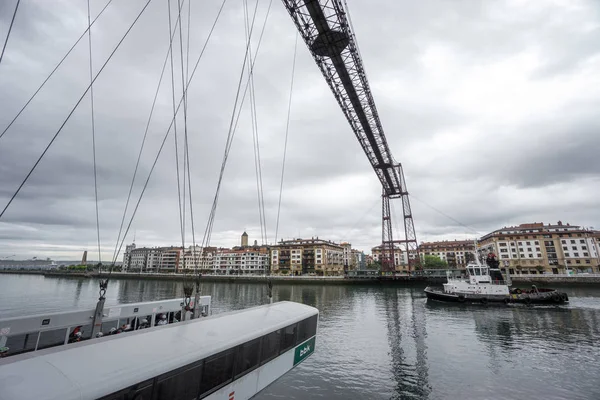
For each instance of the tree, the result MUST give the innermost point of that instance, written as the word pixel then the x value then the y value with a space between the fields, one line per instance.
pixel 374 265
pixel 434 262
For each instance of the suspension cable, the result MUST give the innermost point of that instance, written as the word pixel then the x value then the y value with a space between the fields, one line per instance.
pixel 255 137
pixel 445 215
pixel 53 71
pixel 187 155
pixel 73 110
pixel 181 216
pixel 169 129
pixel 345 236
pixel 231 134
pixel 188 286
pixel 287 130
pixel 12 21
pixel 137 164
pixel 93 133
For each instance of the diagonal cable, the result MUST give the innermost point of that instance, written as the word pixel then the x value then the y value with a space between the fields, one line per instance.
pixel 53 71
pixel 120 246
pixel 72 111
pixel 93 132
pixel 287 130
pixel 12 21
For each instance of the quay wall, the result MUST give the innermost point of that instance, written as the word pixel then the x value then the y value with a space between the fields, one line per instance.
pixel 331 280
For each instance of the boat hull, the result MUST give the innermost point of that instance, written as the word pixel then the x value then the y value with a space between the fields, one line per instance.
pixel 547 297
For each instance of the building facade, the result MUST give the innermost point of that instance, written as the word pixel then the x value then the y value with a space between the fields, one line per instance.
pixel 536 248
pixel 307 256
pixel 155 259
pixel 454 252
pixel 400 258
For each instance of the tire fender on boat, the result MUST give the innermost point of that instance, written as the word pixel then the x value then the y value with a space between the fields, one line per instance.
pixel 527 300
pixel 507 301
pixel 564 297
pixel 484 300
pixel 461 298
pixel 556 297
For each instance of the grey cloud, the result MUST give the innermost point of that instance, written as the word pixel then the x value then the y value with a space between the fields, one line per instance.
pixel 497 178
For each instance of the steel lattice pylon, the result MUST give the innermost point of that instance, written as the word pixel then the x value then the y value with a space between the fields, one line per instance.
pixel 326 31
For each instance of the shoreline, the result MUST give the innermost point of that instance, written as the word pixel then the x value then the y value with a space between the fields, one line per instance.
pixel 334 280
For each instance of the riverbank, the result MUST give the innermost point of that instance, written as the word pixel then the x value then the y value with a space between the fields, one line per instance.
pixel 541 280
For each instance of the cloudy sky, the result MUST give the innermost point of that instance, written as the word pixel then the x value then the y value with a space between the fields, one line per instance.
pixel 490 106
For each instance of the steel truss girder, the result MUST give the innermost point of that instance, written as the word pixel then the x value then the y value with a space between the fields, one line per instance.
pixel 326 31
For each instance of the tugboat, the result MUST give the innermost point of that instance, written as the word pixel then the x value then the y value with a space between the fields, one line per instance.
pixel 485 283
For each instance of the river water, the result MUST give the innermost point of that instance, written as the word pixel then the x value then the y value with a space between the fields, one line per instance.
pixel 387 342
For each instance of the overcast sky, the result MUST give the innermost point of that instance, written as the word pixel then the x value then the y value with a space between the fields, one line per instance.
pixel 492 107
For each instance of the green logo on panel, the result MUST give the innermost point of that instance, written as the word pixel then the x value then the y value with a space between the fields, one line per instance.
pixel 304 350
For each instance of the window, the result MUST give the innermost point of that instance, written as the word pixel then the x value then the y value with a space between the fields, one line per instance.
pixel 576 254
pixel 181 385
pixel 247 357
pixel 503 251
pixel 270 346
pixel 586 254
pixel 528 243
pixel 141 391
pixel 572 241
pixel 539 255
pixel 581 240
pixel 563 241
pixel 537 243
pixel 587 261
pixel 52 338
pixel 529 249
pixel 530 255
pixel 583 247
pixel 217 371
pixel 307 329
pixel 573 247
pixel 577 261
pixel 537 249
pixel 21 343
pixel 565 248
pixel 288 338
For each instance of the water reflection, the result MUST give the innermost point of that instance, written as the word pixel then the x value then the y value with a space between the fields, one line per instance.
pixel 405 314
pixel 387 342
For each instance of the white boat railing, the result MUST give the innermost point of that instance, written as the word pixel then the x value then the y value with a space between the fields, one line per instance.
pixel 36 332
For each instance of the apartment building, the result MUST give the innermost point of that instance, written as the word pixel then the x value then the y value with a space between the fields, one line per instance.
pixel 307 256
pixel 535 248
pixel 155 259
pixel 400 257
pixel 251 260
pixel 454 252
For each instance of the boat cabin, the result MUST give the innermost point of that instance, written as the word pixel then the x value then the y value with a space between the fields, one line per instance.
pixel 478 273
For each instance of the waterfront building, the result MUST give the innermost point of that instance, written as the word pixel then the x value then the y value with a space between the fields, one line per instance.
pixel 155 259
pixel 535 248
pixel 400 258
pixel 358 260
pixel 248 260
pixel 307 256
pixel 454 252
pixel 347 255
